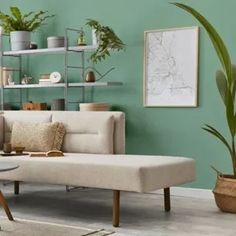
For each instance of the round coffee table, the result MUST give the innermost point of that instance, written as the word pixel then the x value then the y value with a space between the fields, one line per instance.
pixel 6 166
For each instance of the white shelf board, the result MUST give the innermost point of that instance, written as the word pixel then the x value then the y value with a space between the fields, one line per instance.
pixel 61 85
pixel 21 86
pixel 49 50
pixel 95 84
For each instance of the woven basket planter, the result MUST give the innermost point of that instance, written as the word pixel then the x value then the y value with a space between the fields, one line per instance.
pixel 225 193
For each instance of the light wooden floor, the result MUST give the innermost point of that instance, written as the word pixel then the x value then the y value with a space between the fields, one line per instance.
pixel 141 214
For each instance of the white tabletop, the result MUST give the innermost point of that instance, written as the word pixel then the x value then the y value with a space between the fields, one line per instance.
pixel 6 166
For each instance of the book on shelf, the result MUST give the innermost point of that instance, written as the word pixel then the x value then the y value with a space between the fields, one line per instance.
pixel 45 80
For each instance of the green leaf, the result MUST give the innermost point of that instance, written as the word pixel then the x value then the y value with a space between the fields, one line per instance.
pixel 218 43
pixel 234 82
pixel 28 22
pixel 16 13
pixel 107 40
pixel 217 134
pixel 230 113
pixel 222 85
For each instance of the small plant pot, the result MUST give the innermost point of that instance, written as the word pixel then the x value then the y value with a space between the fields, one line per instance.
pixel 225 193
pixel 20 40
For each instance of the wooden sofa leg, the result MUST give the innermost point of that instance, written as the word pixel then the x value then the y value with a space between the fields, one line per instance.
pixel 16 187
pixel 167 199
pixel 5 206
pixel 116 208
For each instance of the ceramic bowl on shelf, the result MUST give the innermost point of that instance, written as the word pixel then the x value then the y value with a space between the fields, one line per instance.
pixel 19 149
pixel 56 41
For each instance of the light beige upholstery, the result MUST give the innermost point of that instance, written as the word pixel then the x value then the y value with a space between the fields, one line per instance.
pixel 1 132
pixel 22 116
pixel 86 133
pixel 38 137
pixel 103 132
pixel 93 132
pixel 119 172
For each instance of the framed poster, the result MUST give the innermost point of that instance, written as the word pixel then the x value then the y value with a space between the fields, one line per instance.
pixel 171 67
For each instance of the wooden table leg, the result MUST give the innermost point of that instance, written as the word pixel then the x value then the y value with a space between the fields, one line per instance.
pixel 5 206
pixel 167 199
pixel 16 187
pixel 116 208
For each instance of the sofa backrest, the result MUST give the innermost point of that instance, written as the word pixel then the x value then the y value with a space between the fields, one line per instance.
pixel 86 132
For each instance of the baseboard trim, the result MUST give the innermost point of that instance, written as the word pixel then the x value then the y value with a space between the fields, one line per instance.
pixel 189 192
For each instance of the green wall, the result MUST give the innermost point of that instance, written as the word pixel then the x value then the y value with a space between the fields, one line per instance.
pixel 164 131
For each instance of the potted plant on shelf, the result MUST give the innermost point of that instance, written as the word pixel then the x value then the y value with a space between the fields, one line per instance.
pixel 106 40
pixel 21 25
pixel 225 189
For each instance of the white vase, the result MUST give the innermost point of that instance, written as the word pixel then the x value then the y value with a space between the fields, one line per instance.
pixel 94 37
pixel 20 40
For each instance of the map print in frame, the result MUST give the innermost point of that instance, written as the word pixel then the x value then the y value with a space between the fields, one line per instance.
pixel 171 67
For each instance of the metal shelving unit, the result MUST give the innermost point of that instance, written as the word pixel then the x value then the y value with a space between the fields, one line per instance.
pixel 66 50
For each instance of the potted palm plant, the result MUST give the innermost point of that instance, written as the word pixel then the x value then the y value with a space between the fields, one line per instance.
pixel 106 40
pixel 225 189
pixel 21 25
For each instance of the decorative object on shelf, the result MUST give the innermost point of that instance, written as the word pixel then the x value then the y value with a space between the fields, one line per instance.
pixel 45 79
pixel 94 38
pixel 20 40
pixel 10 80
pixel 94 106
pixel 56 41
pixel 45 76
pixel 55 77
pixel 19 149
pixel 7 148
pixel 6 74
pixel 224 192
pixel 20 25
pixel 37 106
pixel 33 45
pixel 26 79
pixel 1 30
pixel 106 40
pixel 90 75
pixel 81 39
pixel 171 67
pixel 58 104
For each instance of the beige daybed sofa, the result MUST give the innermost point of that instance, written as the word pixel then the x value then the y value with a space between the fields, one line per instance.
pixel 94 147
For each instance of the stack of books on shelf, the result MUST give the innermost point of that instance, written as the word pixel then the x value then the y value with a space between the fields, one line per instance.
pixel 45 79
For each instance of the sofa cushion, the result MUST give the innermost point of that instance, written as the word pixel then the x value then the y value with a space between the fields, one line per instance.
pixel 36 137
pixel 87 132
pixel 23 116
pixel 137 173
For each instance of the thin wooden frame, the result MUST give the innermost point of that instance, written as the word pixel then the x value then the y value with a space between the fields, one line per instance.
pixel 171 67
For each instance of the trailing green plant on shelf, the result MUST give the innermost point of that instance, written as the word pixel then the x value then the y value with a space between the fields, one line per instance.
pixel 106 40
pixel 18 21
pixel 226 83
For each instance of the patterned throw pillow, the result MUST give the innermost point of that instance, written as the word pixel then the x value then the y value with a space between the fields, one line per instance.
pixel 38 137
